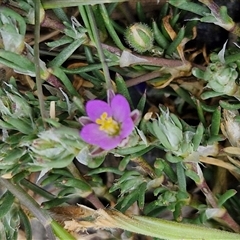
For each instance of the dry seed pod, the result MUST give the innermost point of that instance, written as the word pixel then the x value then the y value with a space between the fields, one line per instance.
pixel 140 37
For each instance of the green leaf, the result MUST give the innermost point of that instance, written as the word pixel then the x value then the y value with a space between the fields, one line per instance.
pixel 59 42
pixel 66 52
pixel 216 121
pixel 95 162
pixel 17 59
pixel 124 162
pixel 189 6
pixel 109 25
pixel 54 202
pixel 6 202
pixel 60 232
pixel 228 194
pixel 142 102
pixel 173 159
pixel 131 150
pixel 67 191
pixel 181 177
pixel 26 224
pixel 198 136
pixel 59 73
pixel 49 4
pixel 210 94
pixel 141 195
pixel 160 135
pixel 7 12
pixel 11 222
pixel 198 73
pixel 77 183
pixel 191 174
pixel 122 89
pixel 159 36
pixel 128 175
pixel 229 106
pixel 14 155
pixel 103 170
pixel 130 199
pixel 168 170
pixel 19 124
pixel 176 41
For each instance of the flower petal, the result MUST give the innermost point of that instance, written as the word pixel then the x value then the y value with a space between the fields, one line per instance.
pixel 126 128
pixel 120 108
pixel 84 120
pixel 97 151
pixel 92 135
pixel 135 116
pixel 95 108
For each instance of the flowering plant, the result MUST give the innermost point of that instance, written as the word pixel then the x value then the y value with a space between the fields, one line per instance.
pixel 52 165
pixel 174 138
pixel 108 125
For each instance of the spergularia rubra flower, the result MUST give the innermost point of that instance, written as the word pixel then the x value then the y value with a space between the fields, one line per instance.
pixel 108 124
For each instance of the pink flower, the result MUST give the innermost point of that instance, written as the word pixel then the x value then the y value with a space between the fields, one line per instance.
pixel 108 124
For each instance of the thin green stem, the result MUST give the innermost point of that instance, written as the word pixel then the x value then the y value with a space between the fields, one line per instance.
pixel 143 78
pixel 99 48
pixel 29 202
pixel 61 233
pixel 110 28
pixel 37 189
pixel 36 58
pixel 86 21
pixel 200 112
pixel 92 198
pixel 203 186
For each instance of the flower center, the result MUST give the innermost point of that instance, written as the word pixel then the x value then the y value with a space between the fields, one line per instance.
pixel 108 125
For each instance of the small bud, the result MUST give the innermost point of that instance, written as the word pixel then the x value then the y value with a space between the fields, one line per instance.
pixel 171 134
pixel 221 78
pixel 140 37
pixel 54 148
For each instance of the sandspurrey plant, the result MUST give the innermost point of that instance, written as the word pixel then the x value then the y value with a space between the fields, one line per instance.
pixel 108 125
pixel 117 122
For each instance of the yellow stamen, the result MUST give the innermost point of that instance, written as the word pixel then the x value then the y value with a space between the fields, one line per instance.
pixel 108 125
